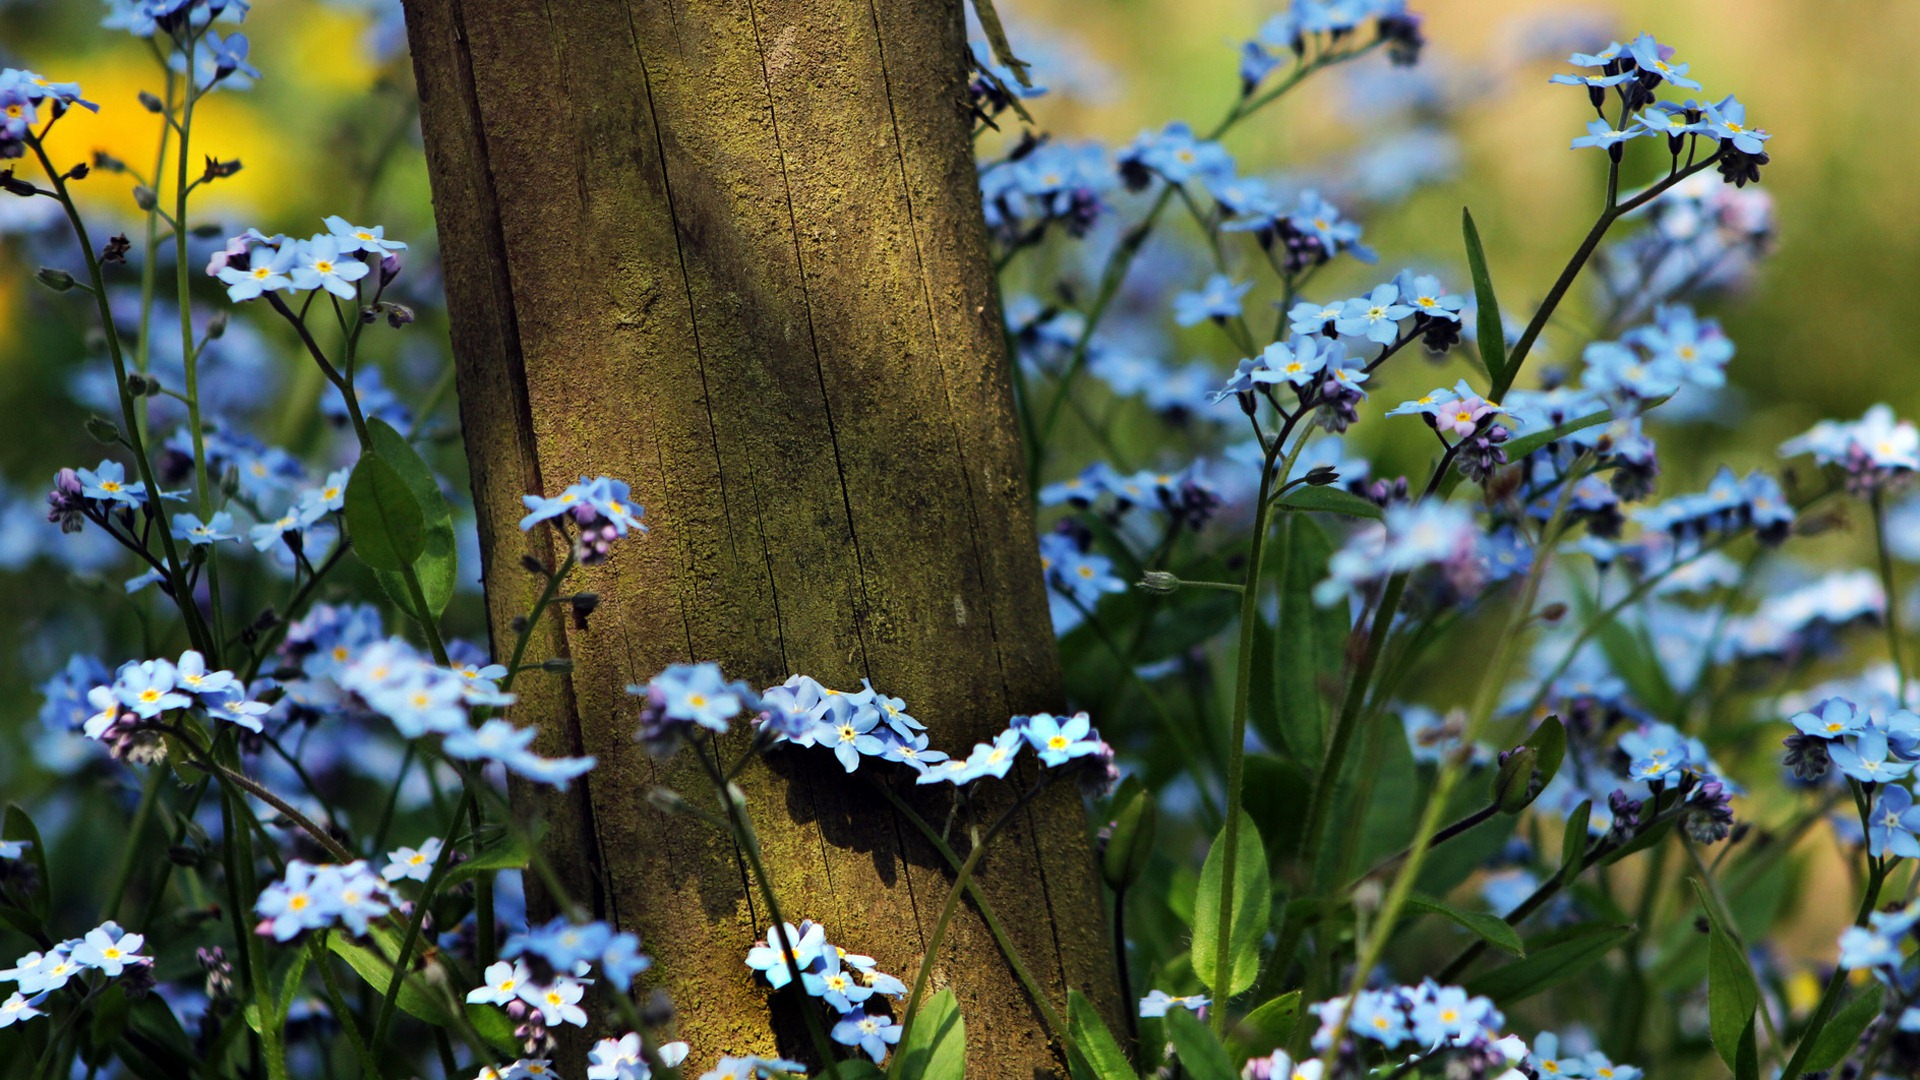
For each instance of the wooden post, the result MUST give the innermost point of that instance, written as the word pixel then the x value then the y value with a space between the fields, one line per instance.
pixel 732 252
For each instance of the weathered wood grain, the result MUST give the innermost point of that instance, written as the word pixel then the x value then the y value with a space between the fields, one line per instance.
pixel 732 251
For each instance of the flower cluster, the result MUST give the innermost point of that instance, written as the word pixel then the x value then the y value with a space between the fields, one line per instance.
pixel 1317 27
pixel 545 972
pixel 107 949
pixel 1410 537
pixel 129 712
pixel 254 264
pixel 1876 750
pixel 850 984
pixel 1634 72
pixel 391 678
pixel 1431 1022
pixel 1877 452
pixel 1042 184
pixel 22 95
pixel 602 510
pixel 1076 575
pixel 623 1058
pixel 322 897
pixel 1185 495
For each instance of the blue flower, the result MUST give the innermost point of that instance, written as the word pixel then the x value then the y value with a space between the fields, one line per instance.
pixel 321 264
pixel 867 1031
pixel 109 950
pixel 107 482
pixel 1218 299
pixel 190 528
pixel 1176 155
pixel 412 864
pixel 1673 121
pixel 1605 136
pixel 1378 1015
pixel 1157 1002
pixel 848 730
pixel 753 1068
pixel 301 900
pixel 769 957
pixel 1297 363
pixel 1868 759
pixel 701 694
pixel 1652 58
pixel 1446 1013
pixel 1893 823
pixel 19 1007
pixel 262 275
pixel 1059 741
pixel 1317 218
pixel 1425 295
pixel 1376 316
pixel 622 959
pixel 837 986
pixel 563 944
pixel 912 750
pixel 1309 319
pixel 1727 121
pixel 1831 719
pixel 354 238
pixel 148 689
pixel 14 849
pixel 988 759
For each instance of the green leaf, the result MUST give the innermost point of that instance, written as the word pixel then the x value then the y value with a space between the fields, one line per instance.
pixel 1329 500
pixel 1549 743
pixel 1573 842
pixel 1732 992
pixel 1201 1055
pixel 1832 1043
pixel 1493 333
pixel 1252 905
pixel 1099 1053
pixel 1309 642
pixel 935 1048
pixel 509 853
pixel 851 1069
pixel 1277 791
pixel 1551 959
pixel 383 517
pixel 1489 928
pixel 1527 444
pixel 377 969
pixel 1135 818
pixel 1746 1059
pixel 439 563
pixel 18 826
pixel 1265 1029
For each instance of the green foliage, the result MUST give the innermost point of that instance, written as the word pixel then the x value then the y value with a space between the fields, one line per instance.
pixel 1551 959
pixel 438 564
pixel 936 1046
pixel 1489 928
pixel 1202 1056
pixel 1098 1056
pixel 1251 906
pixel 1492 332
pixel 383 516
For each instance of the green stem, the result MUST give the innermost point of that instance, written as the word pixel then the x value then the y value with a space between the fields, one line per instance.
pixel 1053 1020
pixel 338 1001
pixel 1830 997
pixel 1221 978
pixel 1455 766
pixel 129 853
pixel 1614 212
pixel 177 578
pixel 962 879
pixel 403 962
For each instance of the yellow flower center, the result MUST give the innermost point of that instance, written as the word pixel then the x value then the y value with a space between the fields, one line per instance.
pixel 324 266
pixel 1058 742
